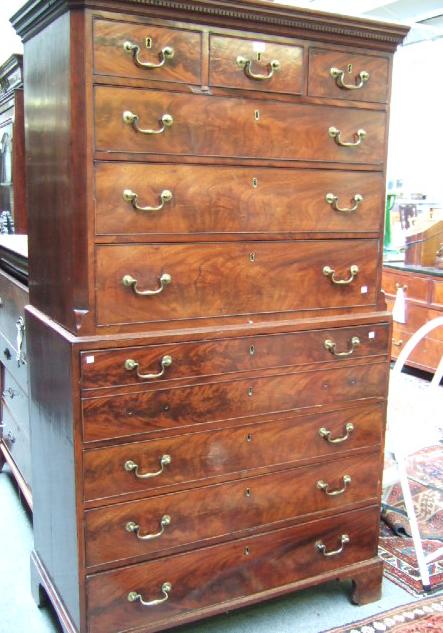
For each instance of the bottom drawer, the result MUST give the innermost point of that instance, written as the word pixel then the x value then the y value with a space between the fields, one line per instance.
pixel 221 574
pixel 16 438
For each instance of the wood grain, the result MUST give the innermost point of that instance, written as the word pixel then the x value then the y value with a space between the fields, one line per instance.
pixel 284 131
pixel 215 199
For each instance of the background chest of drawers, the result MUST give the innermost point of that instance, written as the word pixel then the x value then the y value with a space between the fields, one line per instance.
pixel 212 406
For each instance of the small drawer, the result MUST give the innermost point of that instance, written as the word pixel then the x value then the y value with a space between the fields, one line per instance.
pixel 201 280
pixel 13 298
pixel 138 365
pixel 155 200
pixel 144 51
pixel 147 122
pixel 16 400
pixel 255 65
pixel 416 288
pixel 222 573
pixel 15 436
pixel 226 510
pixel 343 75
pixel 219 453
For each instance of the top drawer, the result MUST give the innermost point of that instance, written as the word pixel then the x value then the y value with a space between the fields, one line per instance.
pixel 342 75
pixel 143 51
pixel 255 65
pixel 13 298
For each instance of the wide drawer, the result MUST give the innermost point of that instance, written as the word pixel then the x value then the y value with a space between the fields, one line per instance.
pixel 222 510
pixel 183 407
pixel 222 573
pixel 227 279
pixel 125 49
pixel 233 127
pixel 227 452
pixel 426 355
pixel 255 65
pixel 13 298
pixel 417 288
pixel 336 74
pixel 16 400
pixel 15 435
pixel 15 361
pixel 207 200
pixel 134 365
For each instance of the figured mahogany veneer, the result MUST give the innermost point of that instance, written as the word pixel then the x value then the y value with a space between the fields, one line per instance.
pixel 243 567
pixel 206 200
pixel 229 279
pixel 281 131
pixel 252 382
pixel 321 84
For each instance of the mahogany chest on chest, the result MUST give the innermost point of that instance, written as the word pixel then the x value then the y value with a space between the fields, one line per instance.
pixel 208 339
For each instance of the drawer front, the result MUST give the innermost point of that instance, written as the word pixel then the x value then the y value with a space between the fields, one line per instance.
pixel 239 128
pixel 218 574
pixel 187 360
pixel 182 407
pixel 416 288
pixel 426 355
pixel 14 361
pixel 13 298
pixel 121 49
pixel 336 74
pixel 227 279
pixel 228 509
pixel 437 293
pixel 16 400
pixel 255 65
pixel 206 200
pixel 15 435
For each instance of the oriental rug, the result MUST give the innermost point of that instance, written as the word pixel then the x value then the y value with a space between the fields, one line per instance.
pixel 422 616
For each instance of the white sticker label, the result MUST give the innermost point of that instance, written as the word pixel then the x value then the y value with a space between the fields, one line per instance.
pixel 258 47
pixel 371 335
pixel 90 359
pixel 364 290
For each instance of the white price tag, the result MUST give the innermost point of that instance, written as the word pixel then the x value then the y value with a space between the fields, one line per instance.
pixel 258 47
pixel 364 290
pixel 90 359
pixel 371 335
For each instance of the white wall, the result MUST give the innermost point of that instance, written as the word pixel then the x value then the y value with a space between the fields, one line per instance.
pixel 9 41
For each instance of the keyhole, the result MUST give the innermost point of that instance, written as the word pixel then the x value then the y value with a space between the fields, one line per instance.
pixel 249 437
pixel 250 391
pixel 251 350
pixel 248 492
pixel 148 42
pixel 349 68
pixel 258 57
pixel 246 551
pixel 252 257
pixel 254 183
pixel 257 115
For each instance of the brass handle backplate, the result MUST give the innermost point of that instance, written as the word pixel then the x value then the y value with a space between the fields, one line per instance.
pixel 129 282
pixel 359 136
pixel 326 435
pixel 131 466
pixel 331 347
pixel 339 75
pixel 332 199
pixel 133 49
pixel 324 486
pixel 131 365
pixel 131 526
pixel 330 272
pixel 246 64
pixel 398 342
pixel 132 119
pixel 133 596
pixel 321 547
pixel 132 197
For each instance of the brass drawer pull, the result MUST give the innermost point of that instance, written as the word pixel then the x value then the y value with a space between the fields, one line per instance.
pixel 359 136
pixel 131 466
pixel 321 547
pixel 330 272
pixel 338 75
pixel 133 527
pixel 132 197
pixel 326 435
pixel 129 282
pixel 165 362
pixel 19 356
pixel 133 596
pixel 398 342
pixel 133 49
pixel 332 199
pixel 245 63
pixel 324 486
pixel 330 346
pixel 132 119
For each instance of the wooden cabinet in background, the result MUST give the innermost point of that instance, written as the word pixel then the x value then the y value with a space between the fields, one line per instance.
pixel 423 288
